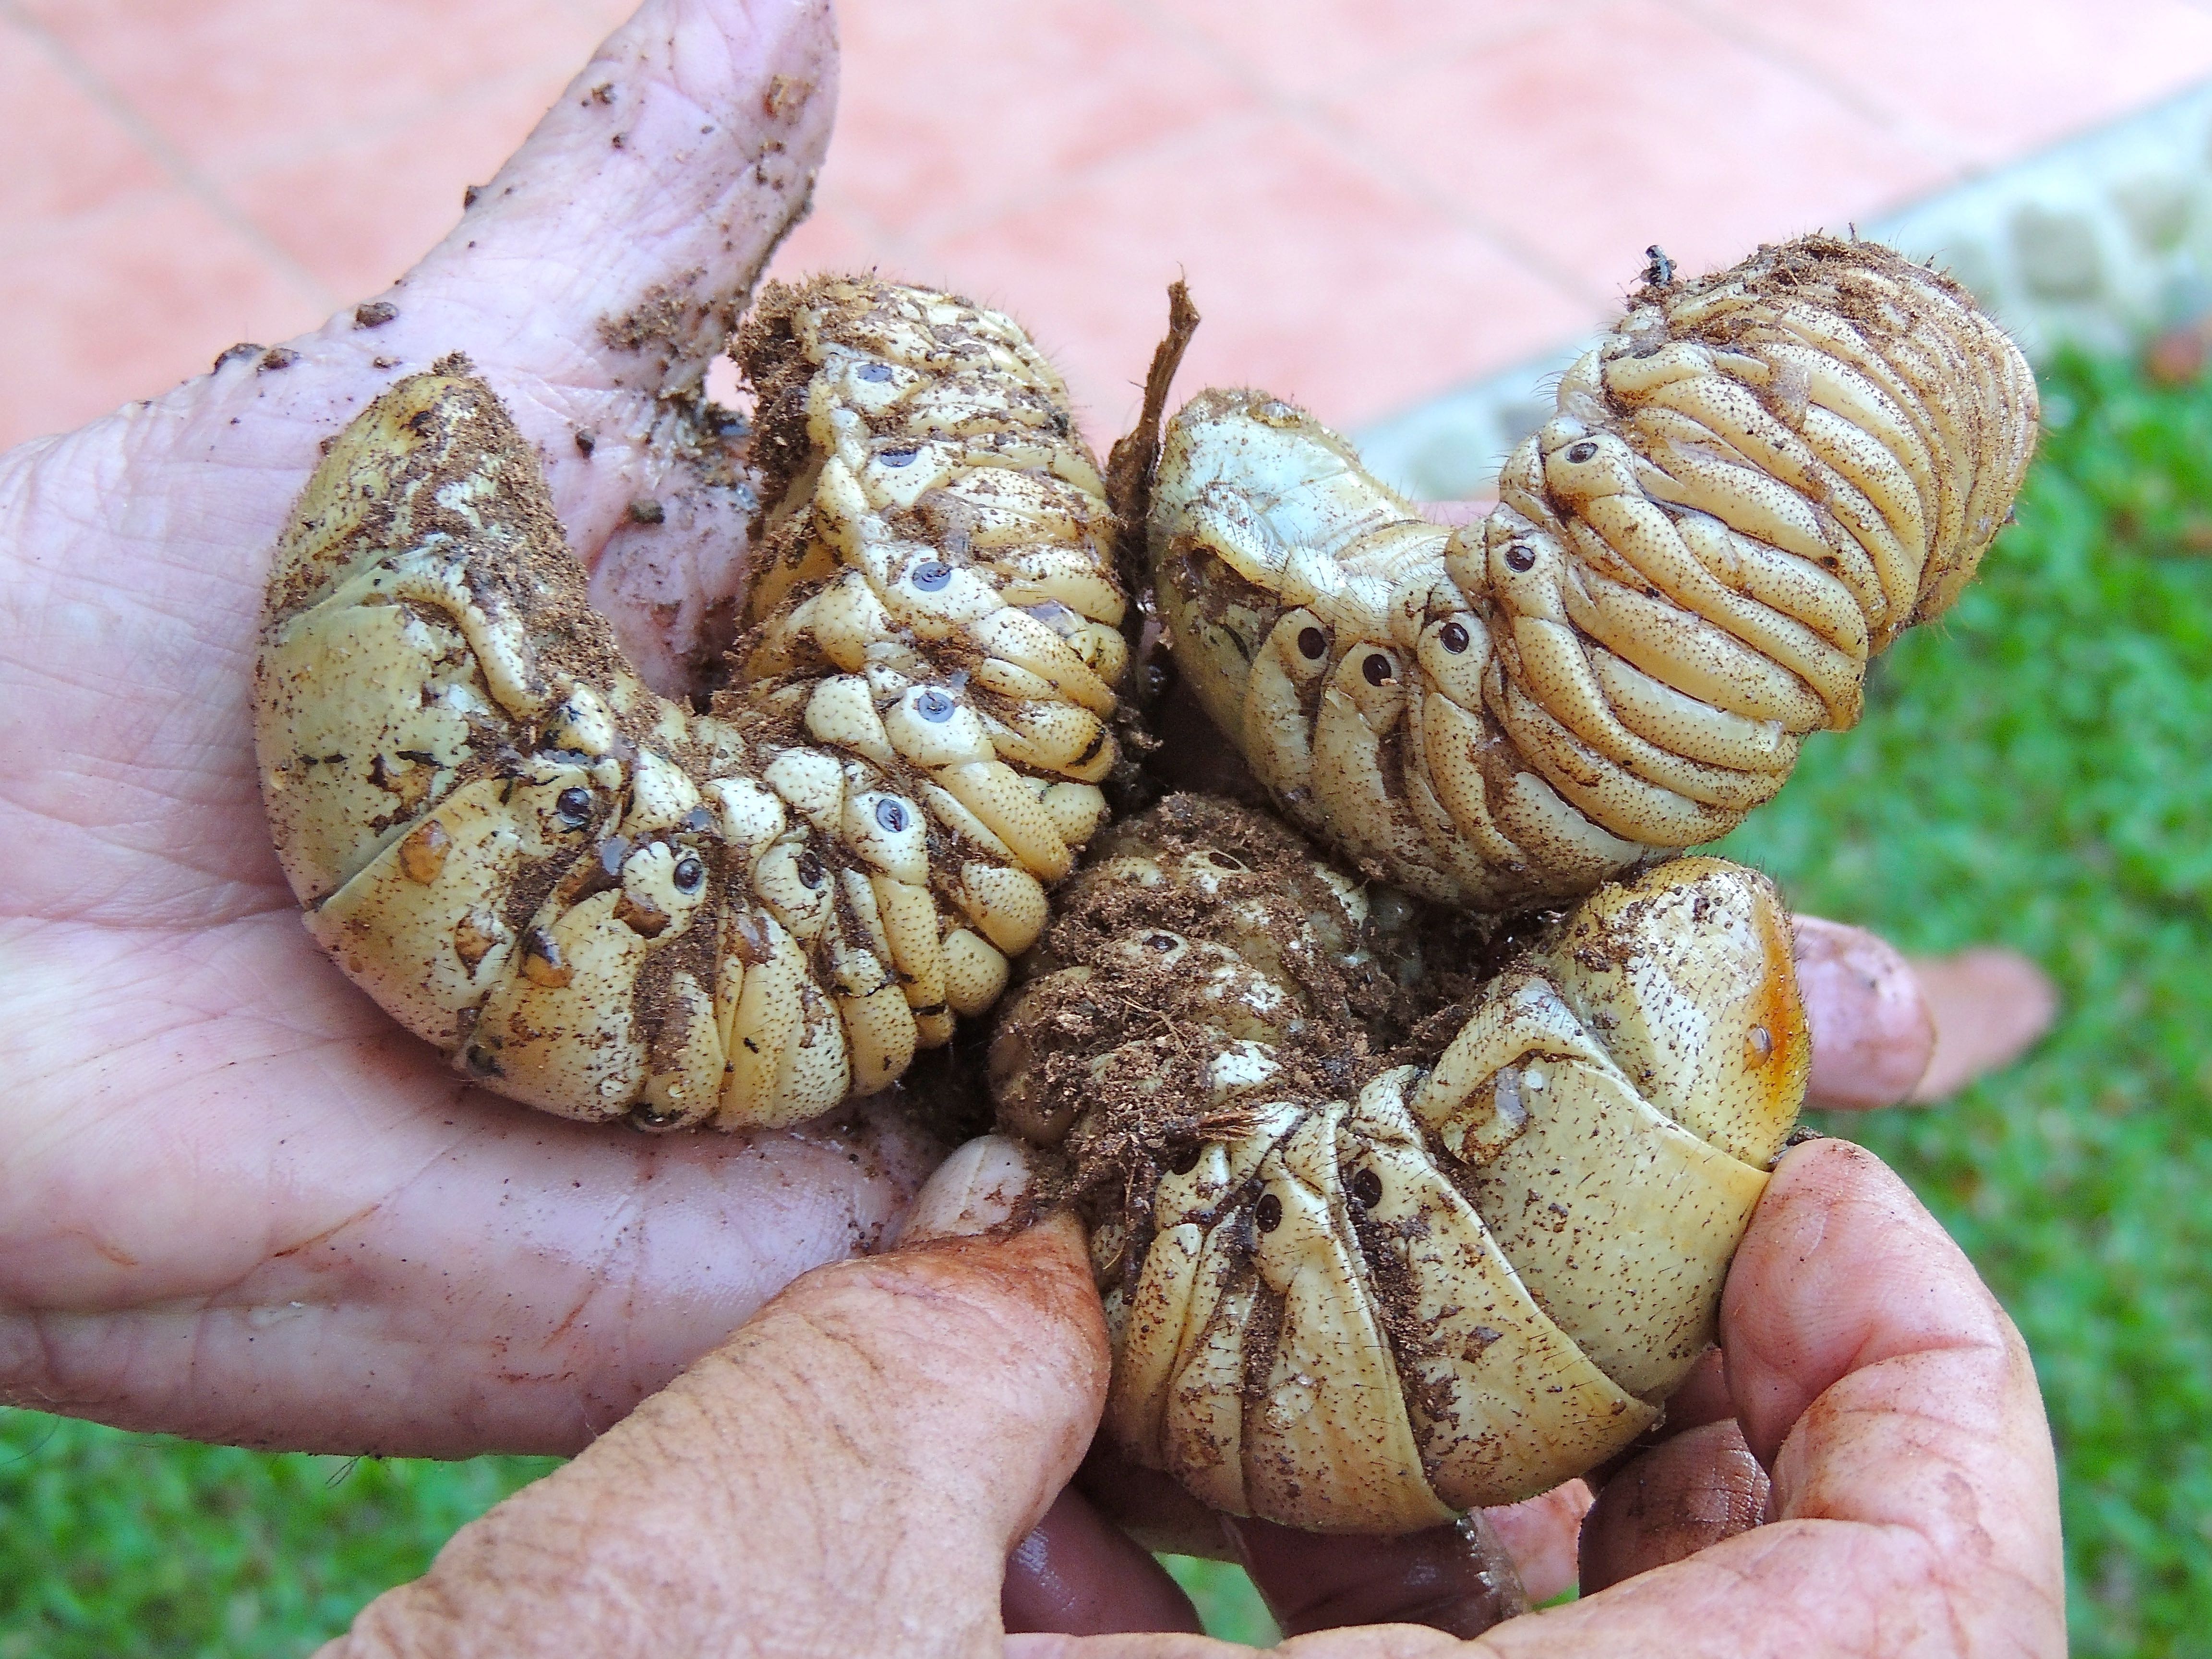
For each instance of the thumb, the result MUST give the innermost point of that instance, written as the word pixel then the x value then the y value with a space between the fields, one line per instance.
pixel 590 282
pixel 845 1476
pixel 606 261
pixel 643 206
pixel 596 276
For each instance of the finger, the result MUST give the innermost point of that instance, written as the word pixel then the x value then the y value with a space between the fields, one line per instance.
pixel 1701 1397
pixel 1990 1006
pixel 1877 1376
pixel 1914 1489
pixel 846 1476
pixel 1681 1496
pixel 254 1237
pixel 1459 1579
pixel 982 1187
pixel 1543 1535
pixel 1075 1571
pixel 612 251
pixel 657 186
pixel 1078 1572
pixel 1844 1280
pixel 1872 1033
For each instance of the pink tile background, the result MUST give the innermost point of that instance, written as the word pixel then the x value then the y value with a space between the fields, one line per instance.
pixel 1375 200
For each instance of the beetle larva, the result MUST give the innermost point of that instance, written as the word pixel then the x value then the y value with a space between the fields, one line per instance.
pixel 603 903
pixel 1755 481
pixel 1352 1294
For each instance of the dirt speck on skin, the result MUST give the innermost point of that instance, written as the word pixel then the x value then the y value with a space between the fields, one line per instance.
pixel 665 328
pixel 659 319
pixel 784 93
pixel 375 314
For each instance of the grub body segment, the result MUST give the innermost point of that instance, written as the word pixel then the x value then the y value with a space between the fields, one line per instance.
pixel 1755 482
pixel 609 905
pixel 1351 1291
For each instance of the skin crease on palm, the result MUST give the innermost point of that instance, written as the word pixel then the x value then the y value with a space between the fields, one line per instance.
pixel 236 1202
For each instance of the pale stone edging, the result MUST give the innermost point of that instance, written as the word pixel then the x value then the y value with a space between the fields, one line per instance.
pixel 2100 240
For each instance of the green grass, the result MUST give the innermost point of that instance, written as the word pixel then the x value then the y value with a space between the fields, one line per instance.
pixel 1225 1600
pixel 116 1545
pixel 2037 771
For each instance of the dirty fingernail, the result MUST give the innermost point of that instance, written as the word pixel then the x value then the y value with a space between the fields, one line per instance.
pixel 979 1187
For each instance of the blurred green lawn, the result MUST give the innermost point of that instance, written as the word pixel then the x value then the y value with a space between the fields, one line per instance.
pixel 2034 772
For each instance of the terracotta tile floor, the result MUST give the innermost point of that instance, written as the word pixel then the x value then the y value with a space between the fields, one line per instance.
pixel 1375 200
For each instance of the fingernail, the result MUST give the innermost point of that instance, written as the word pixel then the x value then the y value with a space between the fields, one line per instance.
pixel 979 1187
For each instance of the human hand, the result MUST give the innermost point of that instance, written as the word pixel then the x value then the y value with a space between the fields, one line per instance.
pixel 236 1202
pixel 847 1474
pixel 241 1203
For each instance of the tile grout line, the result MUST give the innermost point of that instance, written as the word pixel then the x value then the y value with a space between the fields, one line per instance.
pixel 168 158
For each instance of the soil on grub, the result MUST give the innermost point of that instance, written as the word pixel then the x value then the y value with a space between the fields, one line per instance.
pixel 1126 1055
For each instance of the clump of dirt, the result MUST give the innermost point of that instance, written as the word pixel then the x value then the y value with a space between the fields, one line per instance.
pixel 776 366
pixel 1196 928
pixel 660 320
